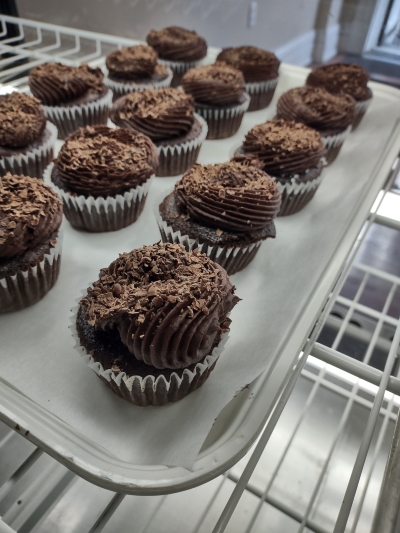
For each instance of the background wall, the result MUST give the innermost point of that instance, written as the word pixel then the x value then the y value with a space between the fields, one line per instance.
pixel 300 31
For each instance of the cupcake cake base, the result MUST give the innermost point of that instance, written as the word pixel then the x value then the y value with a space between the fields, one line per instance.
pixel 333 141
pixel 361 109
pixel 298 190
pixel 89 111
pixel 31 160
pixel 178 155
pixel 261 93
pixel 26 279
pixel 223 121
pixel 156 81
pixel 99 214
pixel 131 379
pixel 232 251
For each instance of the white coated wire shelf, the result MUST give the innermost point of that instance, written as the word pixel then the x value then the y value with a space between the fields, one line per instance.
pixel 309 470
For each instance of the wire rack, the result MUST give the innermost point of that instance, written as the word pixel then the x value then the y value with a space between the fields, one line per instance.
pixel 328 458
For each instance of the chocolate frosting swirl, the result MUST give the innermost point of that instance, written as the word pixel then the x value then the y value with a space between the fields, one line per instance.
pixel 177 44
pixel 22 120
pixel 168 305
pixel 255 63
pixel 132 63
pixel 283 147
pixel 217 84
pixel 101 161
pixel 317 108
pixel 30 212
pixel 229 196
pixel 159 113
pixel 54 83
pixel 340 77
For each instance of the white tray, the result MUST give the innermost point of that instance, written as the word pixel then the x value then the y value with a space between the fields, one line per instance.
pixel 307 256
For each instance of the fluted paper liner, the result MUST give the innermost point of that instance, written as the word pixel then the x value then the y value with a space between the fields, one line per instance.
pixel 27 287
pixel 179 68
pixel 296 195
pixel 101 214
pixel 34 162
pixel 261 93
pixel 361 108
pixel 231 258
pixel 225 121
pixel 149 390
pixel 333 144
pixel 70 118
pixel 121 88
pixel 178 158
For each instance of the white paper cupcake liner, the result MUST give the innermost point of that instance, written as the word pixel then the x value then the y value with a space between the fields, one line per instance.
pixel 333 143
pixel 231 258
pixel 32 163
pixel 121 88
pixel 26 287
pixel 148 390
pixel 261 93
pixel 101 214
pixel 178 158
pixel 179 68
pixel 69 118
pixel 225 121
pixel 296 195
pixel 361 108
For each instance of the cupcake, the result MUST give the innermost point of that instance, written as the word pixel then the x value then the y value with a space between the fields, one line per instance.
pixel 226 211
pixel 350 79
pixel 135 68
pixel 219 97
pixel 330 114
pixel 151 326
pixel 30 241
pixel 178 49
pixel 72 97
pixel 260 70
pixel 103 176
pixel 290 152
pixel 26 139
pixel 166 116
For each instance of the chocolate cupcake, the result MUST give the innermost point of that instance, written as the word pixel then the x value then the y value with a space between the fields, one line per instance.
pixel 290 152
pixel 260 70
pixel 330 114
pixel 167 117
pixel 178 49
pixel 26 139
pixel 224 210
pixel 219 97
pixel 135 69
pixel 151 326
pixel 72 97
pixel 346 78
pixel 30 241
pixel 103 176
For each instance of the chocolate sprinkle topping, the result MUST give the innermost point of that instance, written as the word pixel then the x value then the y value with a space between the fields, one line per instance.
pixel 167 304
pixel 22 120
pixel 132 63
pixel 255 63
pixel 101 161
pixel 177 44
pixel 30 212
pixel 340 77
pixel 217 84
pixel 317 108
pixel 55 84
pixel 159 113
pixel 283 147
pixel 229 196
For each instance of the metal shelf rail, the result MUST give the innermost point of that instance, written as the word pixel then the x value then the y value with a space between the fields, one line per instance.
pixel 38 493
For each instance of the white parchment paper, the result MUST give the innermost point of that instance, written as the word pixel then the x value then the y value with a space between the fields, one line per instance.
pixel 36 348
